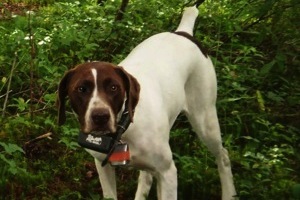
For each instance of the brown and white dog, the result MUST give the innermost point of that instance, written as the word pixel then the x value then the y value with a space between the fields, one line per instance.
pixel 163 76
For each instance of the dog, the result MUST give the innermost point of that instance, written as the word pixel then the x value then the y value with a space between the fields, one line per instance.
pixel 163 76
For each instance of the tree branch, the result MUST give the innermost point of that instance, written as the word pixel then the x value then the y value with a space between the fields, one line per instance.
pixel 121 11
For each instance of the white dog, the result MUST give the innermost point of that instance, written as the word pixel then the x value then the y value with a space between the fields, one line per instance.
pixel 163 76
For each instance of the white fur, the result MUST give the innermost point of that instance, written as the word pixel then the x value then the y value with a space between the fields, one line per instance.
pixel 97 102
pixel 174 77
pixel 189 17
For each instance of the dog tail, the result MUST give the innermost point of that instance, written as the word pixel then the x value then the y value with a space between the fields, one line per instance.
pixel 188 20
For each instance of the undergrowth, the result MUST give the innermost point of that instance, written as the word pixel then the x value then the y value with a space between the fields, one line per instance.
pixel 255 52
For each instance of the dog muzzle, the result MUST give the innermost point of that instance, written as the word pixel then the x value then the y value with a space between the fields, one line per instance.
pixel 117 151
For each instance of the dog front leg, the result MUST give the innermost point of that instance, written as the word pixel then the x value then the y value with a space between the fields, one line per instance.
pixel 144 185
pixel 167 183
pixel 107 179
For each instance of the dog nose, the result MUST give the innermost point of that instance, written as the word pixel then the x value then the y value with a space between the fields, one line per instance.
pixel 100 116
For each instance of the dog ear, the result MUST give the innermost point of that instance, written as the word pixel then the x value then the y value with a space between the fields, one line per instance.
pixel 132 90
pixel 61 98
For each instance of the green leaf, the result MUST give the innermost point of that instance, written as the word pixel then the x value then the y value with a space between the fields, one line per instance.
pixel 250 138
pixel 296 191
pixel 267 67
pixel 11 148
pixel 260 101
pixel 70 144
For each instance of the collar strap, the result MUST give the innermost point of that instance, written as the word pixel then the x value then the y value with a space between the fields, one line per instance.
pixel 121 128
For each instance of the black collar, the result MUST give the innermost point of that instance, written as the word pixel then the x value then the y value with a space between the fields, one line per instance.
pixel 122 126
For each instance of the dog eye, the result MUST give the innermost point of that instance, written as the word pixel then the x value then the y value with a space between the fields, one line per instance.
pixel 114 88
pixel 81 89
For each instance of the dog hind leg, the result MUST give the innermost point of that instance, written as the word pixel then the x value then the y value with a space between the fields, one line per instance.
pixel 206 125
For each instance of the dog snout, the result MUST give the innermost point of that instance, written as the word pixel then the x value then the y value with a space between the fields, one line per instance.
pixel 100 116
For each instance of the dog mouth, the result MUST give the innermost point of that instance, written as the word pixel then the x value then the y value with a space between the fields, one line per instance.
pixel 97 130
pixel 99 133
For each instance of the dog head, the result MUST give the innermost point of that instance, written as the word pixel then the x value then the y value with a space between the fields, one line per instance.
pixel 97 93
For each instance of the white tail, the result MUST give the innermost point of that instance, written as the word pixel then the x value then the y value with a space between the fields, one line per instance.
pixel 188 20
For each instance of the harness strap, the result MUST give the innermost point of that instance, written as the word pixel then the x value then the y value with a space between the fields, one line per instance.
pixel 194 40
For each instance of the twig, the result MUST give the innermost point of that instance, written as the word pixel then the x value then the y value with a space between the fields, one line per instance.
pixel 9 84
pixel 32 57
pixel 5 94
pixel 41 137
pixel 20 93
pixel 36 111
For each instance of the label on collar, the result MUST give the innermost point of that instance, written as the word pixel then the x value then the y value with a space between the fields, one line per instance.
pixel 101 144
pixel 120 155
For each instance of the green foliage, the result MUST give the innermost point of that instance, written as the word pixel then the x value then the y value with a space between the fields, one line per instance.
pixel 9 150
pixel 254 46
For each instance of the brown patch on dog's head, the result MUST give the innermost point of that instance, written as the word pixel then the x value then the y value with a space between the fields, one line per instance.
pixel 112 85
